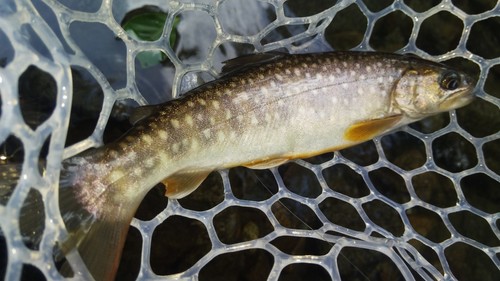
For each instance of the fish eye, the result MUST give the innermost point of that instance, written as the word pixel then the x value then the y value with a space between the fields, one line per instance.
pixel 450 81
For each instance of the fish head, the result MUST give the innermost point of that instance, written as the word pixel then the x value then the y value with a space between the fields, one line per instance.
pixel 431 88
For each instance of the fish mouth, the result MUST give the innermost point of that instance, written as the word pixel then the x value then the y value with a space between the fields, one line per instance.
pixel 457 100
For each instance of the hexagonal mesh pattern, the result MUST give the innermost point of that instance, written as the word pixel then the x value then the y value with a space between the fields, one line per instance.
pixel 419 203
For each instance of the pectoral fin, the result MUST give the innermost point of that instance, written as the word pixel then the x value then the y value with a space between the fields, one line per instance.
pixel 366 130
pixel 182 184
pixel 266 164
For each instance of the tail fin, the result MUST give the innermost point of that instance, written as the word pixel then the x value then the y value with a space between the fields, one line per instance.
pixel 98 237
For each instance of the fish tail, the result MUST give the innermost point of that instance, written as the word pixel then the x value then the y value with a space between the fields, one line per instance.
pixel 96 229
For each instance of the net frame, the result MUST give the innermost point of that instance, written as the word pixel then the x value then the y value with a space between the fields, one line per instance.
pixel 16 14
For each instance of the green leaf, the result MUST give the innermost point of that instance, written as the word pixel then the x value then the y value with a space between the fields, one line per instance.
pixel 147 25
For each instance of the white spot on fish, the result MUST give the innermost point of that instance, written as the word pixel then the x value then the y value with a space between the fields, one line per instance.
pixel 199 117
pixel 201 101
pixel 331 78
pixel 220 136
pixel 261 76
pixel 287 71
pixel 175 147
pixel 149 163
pixel 216 104
pixel 116 175
pixel 319 76
pixel 175 123
pixel 239 118
pixel 242 97
pixel 308 75
pixel 131 156
pixel 335 100
pixel 264 90
pixel 207 133
pixel 253 120
pixel 362 77
pixel 344 63
pixel 273 84
pixel 297 72
pixel 211 120
pixel 138 171
pixel 228 114
pixel 353 73
pixel 360 91
pixel 113 154
pixel 147 139
pixel 163 157
pixel 380 80
pixel 368 68
pixel 278 77
pixel 345 86
pixel 338 70
pixel 163 134
pixel 190 104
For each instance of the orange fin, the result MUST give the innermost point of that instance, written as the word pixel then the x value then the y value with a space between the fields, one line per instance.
pixel 266 164
pixel 366 130
pixel 182 184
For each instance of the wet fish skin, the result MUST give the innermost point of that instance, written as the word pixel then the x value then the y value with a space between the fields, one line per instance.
pixel 293 106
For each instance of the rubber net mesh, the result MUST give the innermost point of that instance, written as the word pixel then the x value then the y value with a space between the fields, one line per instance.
pixel 420 203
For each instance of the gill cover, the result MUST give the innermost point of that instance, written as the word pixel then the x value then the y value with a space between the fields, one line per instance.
pixel 430 89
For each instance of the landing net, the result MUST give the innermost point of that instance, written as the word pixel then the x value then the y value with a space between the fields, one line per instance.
pixel 419 203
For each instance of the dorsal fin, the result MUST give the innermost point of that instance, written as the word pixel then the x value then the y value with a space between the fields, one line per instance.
pixel 246 61
pixel 142 112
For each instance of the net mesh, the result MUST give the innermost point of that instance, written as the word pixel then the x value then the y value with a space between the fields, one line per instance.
pixel 419 203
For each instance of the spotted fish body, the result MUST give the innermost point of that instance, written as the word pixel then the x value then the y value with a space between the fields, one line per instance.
pixel 290 106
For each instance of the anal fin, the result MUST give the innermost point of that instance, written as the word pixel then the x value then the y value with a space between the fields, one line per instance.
pixel 366 130
pixel 265 164
pixel 181 184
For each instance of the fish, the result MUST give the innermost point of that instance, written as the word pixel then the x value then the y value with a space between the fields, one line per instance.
pixel 265 110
